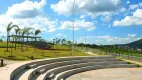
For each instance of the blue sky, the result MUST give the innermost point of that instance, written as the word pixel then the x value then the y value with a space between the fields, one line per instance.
pixel 101 21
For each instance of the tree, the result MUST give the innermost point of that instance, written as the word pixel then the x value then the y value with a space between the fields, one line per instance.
pixel 69 43
pixel 15 38
pixel 17 30
pixel 19 38
pixel 36 33
pixel 8 29
pixel 54 41
pixel 63 41
pixel 28 33
pixel 1 40
pixel 24 31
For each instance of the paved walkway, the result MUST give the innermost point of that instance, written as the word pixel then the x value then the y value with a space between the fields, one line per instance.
pixel 8 62
pixel 90 53
pixel 110 74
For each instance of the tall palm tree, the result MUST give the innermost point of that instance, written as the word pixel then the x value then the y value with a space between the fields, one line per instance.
pixel 28 33
pixel 24 31
pixel 36 33
pixel 15 37
pixel 19 38
pixel 17 30
pixel 9 28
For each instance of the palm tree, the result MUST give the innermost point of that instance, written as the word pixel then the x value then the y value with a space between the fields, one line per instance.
pixel 9 28
pixel 2 38
pixel 63 41
pixel 28 33
pixel 15 38
pixel 19 38
pixel 17 30
pixel 24 31
pixel 36 33
pixel 54 41
pixel 69 43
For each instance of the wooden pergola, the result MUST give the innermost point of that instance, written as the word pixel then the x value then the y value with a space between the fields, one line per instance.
pixel 19 36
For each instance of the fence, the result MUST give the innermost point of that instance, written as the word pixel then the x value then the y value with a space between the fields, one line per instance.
pixel 123 56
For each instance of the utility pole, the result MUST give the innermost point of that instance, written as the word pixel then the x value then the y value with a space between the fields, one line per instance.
pixel 73 28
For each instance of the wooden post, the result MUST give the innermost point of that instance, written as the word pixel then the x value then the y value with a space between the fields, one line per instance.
pixel 1 62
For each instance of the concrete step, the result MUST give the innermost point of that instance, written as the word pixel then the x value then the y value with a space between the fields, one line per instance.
pixel 25 74
pixel 57 64
pixel 73 66
pixel 63 75
pixel 35 64
pixel 53 67
pixel 46 67
pixel 59 69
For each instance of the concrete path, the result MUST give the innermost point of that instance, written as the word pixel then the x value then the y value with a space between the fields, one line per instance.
pixel 8 62
pixel 90 53
pixel 110 74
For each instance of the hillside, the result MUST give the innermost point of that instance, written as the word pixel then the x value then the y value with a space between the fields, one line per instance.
pixel 135 44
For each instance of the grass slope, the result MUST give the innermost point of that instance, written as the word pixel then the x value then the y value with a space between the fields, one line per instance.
pixel 61 51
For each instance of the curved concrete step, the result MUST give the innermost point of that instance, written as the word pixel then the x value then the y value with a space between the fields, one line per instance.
pixel 57 64
pixel 46 67
pixel 35 64
pixel 57 70
pixel 25 75
pixel 65 74
pixel 52 68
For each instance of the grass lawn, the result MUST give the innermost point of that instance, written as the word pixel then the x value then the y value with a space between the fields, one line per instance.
pixel 38 53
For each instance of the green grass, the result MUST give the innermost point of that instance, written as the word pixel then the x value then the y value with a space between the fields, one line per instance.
pixel 3 45
pixel 62 51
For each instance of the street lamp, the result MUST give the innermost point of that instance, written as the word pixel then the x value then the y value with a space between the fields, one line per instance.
pixel 73 28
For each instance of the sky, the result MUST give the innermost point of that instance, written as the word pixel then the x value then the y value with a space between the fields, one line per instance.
pixel 98 21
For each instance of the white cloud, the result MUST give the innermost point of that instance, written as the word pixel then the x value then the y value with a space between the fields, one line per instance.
pixel 107 39
pixel 133 6
pixel 23 16
pixel 106 19
pixel 131 35
pixel 79 24
pixel 134 20
pixel 122 9
pixel 127 2
pixel 27 9
pixel 87 7
pixel 62 35
pixel 82 16
pixel 140 4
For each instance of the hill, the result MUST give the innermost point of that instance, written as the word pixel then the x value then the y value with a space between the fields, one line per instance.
pixel 135 44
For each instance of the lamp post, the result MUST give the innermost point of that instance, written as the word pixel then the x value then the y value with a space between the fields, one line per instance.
pixel 73 28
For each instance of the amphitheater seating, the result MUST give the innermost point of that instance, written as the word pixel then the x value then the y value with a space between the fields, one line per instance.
pixel 61 68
